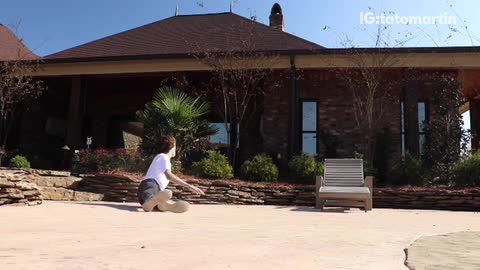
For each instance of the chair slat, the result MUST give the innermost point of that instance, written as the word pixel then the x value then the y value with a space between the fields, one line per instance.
pixel 343 172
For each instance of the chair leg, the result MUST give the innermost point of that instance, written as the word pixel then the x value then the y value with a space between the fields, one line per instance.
pixel 369 204
pixel 365 205
pixel 318 203
pixel 322 204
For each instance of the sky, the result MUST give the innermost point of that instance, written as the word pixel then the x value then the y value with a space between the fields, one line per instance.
pixel 49 26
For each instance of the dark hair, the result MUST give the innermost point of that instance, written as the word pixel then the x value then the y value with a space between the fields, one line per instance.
pixel 166 143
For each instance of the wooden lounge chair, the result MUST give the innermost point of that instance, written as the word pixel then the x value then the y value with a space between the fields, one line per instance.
pixel 343 184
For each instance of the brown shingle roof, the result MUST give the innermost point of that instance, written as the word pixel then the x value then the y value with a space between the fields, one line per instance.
pixel 187 34
pixel 12 48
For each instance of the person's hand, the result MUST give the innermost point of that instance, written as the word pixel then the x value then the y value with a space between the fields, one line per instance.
pixel 196 190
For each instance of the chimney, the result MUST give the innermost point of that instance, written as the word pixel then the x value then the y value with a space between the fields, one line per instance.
pixel 276 18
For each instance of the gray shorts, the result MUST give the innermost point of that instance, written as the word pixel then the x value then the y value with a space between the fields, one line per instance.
pixel 147 189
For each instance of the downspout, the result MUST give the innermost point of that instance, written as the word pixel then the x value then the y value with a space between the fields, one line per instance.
pixel 292 145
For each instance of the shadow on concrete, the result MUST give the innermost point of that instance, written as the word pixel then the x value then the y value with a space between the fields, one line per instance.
pixel 123 207
pixel 342 210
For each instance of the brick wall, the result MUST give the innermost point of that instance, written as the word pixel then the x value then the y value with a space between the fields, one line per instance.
pixel 336 113
pixel 274 125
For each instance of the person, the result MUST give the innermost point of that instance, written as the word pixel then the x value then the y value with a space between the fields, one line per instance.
pixel 152 190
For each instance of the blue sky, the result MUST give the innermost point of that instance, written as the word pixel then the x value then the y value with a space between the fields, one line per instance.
pixel 49 26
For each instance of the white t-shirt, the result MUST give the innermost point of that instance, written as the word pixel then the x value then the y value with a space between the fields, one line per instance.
pixel 160 164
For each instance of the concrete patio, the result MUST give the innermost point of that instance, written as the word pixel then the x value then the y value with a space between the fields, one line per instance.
pixel 90 235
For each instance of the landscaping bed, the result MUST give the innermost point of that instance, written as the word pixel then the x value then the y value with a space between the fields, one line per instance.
pixel 123 188
pixel 21 187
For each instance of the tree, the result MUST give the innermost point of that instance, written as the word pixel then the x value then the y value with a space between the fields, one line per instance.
pixel 446 139
pixel 18 91
pixel 175 113
pixel 240 78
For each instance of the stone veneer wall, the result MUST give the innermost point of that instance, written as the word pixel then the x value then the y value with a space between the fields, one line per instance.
pixel 17 188
pixel 427 198
pixel 124 189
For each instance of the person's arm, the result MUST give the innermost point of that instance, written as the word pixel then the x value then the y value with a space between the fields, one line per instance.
pixel 175 179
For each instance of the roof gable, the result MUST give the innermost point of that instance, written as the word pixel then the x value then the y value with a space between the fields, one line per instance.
pixel 12 48
pixel 187 34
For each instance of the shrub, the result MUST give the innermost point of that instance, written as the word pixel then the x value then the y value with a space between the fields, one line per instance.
pixel 408 171
pixel 260 168
pixel 467 172
pixel 19 161
pixel 304 168
pixel 446 140
pixel 177 166
pixel 214 165
pixel 368 168
pixel 102 160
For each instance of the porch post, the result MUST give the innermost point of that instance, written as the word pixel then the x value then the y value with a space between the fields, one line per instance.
pixel 475 123
pixel 75 112
pixel 292 135
pixel 411 113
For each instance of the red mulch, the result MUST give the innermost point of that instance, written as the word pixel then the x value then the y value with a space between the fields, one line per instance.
pixel 238 182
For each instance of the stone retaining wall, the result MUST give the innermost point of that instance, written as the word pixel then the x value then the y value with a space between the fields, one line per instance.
pixel 17 188
pixel 427 198
pixel 124 189
pixel 20 187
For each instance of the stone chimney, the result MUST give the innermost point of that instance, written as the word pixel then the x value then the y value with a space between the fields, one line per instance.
pixel 276 18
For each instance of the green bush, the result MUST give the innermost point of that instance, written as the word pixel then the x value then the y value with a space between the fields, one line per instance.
pixel 408 171
pixel 260 168
pixel 304 168
pixel 19 161
pixel 214 165
pixel 177 166
pixel 467 172
pixel 368 168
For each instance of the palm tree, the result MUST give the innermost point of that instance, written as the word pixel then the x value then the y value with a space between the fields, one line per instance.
pixel 173 112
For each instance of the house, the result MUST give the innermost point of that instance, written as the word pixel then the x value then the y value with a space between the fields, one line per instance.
pixel 96 88
pixel 12 48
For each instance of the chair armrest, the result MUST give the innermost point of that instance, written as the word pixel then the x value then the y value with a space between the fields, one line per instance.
pixel 369 183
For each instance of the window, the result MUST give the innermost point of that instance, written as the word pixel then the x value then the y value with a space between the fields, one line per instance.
pixel 422 120
pixel 402 120
pixel 309 127
pixel 221 137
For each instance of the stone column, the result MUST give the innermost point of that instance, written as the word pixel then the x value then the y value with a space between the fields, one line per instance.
pixel 411 113
pixel 75 112
pixel 475 123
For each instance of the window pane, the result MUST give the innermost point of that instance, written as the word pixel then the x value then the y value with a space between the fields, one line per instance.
pixel 421 142
pixel 309 145
pixel 422 116
pixel 309 119
pixel 222 135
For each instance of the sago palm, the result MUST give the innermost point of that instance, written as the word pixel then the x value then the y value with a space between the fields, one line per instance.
pixel 173 112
